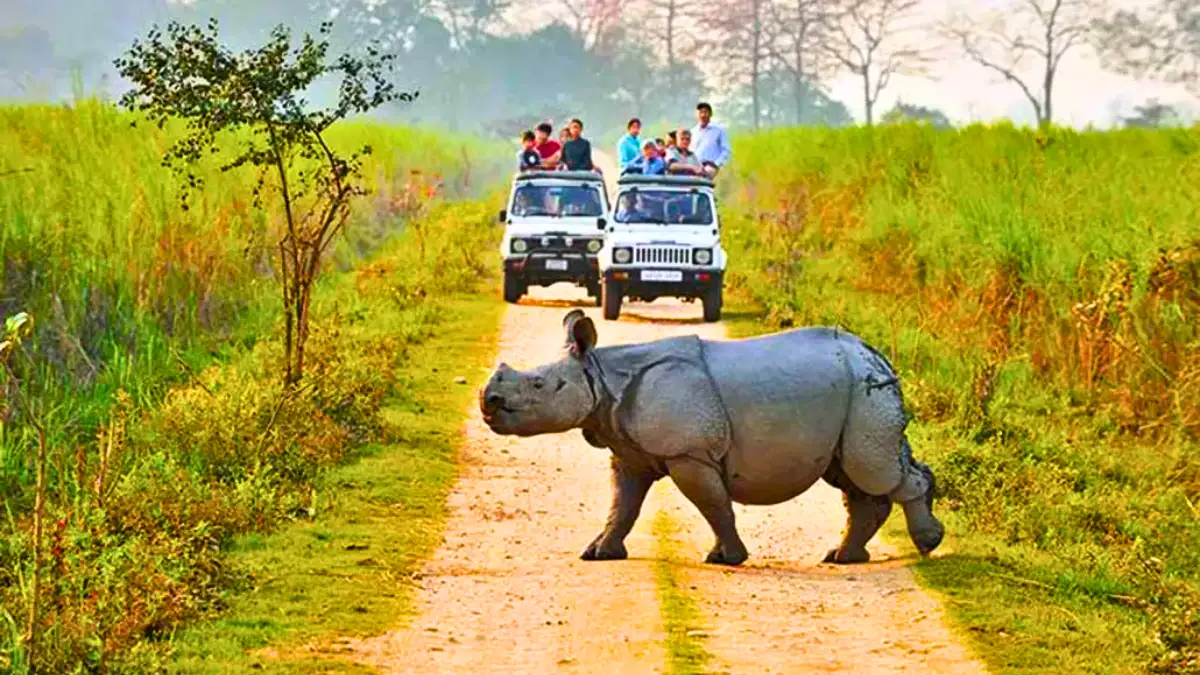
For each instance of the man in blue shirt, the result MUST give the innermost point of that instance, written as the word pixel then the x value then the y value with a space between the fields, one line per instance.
pixel 628 148
pixel 711 143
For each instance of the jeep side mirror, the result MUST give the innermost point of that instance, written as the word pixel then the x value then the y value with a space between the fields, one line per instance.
pixel 600 223
pixel 503 213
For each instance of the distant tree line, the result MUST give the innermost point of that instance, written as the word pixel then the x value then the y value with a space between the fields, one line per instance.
pixel 496 65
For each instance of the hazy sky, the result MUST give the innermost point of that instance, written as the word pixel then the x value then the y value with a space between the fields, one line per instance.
pixel 1085 93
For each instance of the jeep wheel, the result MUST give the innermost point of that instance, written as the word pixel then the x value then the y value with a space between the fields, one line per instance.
pixel 594 292
pixel 712 304
pixel 611 300
pixel 513 288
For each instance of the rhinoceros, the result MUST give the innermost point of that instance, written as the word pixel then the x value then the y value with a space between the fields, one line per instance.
pixel 753 421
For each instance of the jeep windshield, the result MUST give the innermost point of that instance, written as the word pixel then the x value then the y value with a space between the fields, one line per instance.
pixel 664 207
pixel 557 201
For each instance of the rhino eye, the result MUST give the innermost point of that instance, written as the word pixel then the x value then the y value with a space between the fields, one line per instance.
pixel 561 384
pixel 539 383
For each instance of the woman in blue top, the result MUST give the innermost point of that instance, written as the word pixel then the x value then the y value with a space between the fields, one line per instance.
pixel 629 147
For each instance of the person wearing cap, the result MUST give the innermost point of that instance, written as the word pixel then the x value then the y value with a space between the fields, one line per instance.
pixel 629 147
pixel 647 163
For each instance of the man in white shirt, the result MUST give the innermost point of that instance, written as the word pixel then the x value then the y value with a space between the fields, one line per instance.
pixel 711 143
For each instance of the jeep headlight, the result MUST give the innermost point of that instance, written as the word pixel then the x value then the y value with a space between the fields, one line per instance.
pixel 520 245
pixel 702 256
pixel 594 246
pixel 622 256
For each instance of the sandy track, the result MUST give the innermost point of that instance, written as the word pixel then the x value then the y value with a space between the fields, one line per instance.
pixel 782 612
pixel 506 591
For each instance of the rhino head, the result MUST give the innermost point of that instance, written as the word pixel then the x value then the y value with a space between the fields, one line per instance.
pixel 550 399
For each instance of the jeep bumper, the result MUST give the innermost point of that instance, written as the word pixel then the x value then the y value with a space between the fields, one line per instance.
pixel 545 268
pixel 650 283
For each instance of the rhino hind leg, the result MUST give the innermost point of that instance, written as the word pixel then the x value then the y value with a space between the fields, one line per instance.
pixel 703 486
pixel 865 515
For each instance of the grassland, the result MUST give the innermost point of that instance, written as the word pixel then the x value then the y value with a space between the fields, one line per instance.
pixel 1040 295
pixel 172 448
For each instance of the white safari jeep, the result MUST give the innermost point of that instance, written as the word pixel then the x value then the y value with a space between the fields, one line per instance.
pixel 664 240
pixel 554 230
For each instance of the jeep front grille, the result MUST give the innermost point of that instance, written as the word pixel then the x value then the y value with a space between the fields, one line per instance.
pixel 663 255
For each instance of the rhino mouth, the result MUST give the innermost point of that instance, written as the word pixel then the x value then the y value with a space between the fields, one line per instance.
pixel 489 416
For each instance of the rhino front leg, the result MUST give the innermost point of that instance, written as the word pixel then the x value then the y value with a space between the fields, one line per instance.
pixel 702 485
pixel 629 492
pixel 915 495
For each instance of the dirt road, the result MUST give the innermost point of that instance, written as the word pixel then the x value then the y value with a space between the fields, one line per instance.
pixel 507 593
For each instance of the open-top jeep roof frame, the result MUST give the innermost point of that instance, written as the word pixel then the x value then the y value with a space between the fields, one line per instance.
pixel 673 181
pixel 587 176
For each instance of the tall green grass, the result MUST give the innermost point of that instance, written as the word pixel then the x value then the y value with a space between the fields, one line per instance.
pixel 1040 294
pixel 155 361
pixel 125 283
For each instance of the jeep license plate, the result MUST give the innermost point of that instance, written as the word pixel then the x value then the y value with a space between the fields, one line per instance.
pixel 662 275
pixel 560 265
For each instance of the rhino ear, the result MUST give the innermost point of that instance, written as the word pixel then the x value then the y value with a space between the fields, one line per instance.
pixel 581 332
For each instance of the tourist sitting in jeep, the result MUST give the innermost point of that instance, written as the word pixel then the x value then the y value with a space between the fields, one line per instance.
pixel 648 163
pixel 681 160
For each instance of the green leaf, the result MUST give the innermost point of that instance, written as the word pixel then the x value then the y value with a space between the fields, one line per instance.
pixel 18 326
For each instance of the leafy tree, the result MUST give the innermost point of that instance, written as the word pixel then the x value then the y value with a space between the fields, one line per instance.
pixel 1162 40
pixel 1152 114
pixel 778 104
pixel 187 73
pixel 908 112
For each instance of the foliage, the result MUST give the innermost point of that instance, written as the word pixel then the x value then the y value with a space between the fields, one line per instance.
pixel 908 112
pixel 131 292
pixel 144 516
pixel 1040 294
pixel 1159 39
pixel 187 74
pixel 781 105
pixel 151 363
pixel 1152 114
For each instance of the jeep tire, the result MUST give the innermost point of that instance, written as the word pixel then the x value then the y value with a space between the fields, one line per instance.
pixel 514 288
pixel 611 300
pixel 595 293
pixel 712 299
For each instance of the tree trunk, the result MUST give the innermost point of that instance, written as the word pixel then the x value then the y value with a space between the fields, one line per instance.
pixel 755 62
pixel 867 103
pixel 1047 89
pixel 798 55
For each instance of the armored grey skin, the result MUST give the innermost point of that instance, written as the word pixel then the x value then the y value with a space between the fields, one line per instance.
pixel 754 421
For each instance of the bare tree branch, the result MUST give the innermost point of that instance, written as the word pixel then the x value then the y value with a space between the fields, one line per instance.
pixel 1028 34
pixel 738 37
pixel 868 38
pixel 595 22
